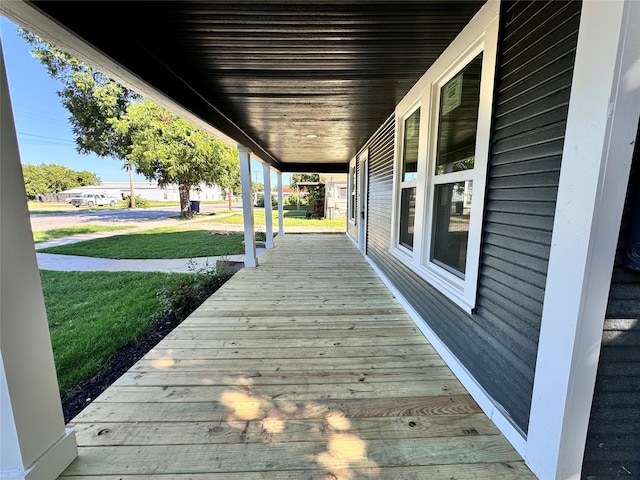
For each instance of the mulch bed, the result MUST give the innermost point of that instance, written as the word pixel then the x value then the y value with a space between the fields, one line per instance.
pixel 123 361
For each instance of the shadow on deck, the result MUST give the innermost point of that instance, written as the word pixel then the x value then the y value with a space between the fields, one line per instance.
pixel 304 368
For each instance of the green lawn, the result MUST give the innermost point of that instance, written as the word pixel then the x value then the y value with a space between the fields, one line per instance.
pixel 44 235
pixel 292 218
pixel 49 207
pixel 167 242
pixel 91 316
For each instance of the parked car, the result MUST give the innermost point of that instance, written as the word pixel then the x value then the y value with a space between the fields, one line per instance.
pixel 93 199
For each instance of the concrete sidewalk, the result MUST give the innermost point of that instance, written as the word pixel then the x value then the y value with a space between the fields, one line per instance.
pixel 50 261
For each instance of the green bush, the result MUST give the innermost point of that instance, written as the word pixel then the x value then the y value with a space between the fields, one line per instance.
pixel 185 295
pixel 292 199
pixel 140 203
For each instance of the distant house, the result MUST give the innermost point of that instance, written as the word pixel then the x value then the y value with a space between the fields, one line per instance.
pixel 335 195
pixel 149 191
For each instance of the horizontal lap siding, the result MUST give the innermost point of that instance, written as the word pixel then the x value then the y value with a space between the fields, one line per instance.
pixel 613 441
pixel 498 344
pixel 535 70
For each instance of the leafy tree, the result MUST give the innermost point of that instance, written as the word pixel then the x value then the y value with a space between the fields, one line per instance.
pixel 304 177
pixel 35 181
pixel 171 150
pixel 54 178
pixel 93 100
pixel 313 192
pixel 110 120
pixel 85 178
pixel 60 178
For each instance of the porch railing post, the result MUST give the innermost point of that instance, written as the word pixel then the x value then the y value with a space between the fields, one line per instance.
pixel 250 257
pixel 280 206
pixel 268 215
pixel 34 440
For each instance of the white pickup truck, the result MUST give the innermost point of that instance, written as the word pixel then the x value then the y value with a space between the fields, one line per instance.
pixel 93 199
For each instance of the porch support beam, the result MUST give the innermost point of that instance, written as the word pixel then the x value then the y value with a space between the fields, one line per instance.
pixel 34 441
pixel 280 205
pixel 250 257
pixel 268 209
pixel 601 130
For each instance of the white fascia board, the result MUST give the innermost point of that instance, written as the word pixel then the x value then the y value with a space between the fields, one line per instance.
pixel 601 129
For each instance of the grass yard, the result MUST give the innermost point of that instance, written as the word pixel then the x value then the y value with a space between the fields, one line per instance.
pixel 44 235
pixel 292 218
pixel 49 207
pixel 166 242
pixel 91 316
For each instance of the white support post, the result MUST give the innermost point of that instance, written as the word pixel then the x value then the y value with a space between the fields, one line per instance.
pixel 250 257
pixel 601 130
pixel 280 206
pixel 268 209
pixel 34 443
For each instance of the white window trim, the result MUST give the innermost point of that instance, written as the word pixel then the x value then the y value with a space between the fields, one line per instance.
pixel 352 206
pixel 480 35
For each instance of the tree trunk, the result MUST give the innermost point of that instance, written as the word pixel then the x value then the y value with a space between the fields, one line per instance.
pixel 132 194
pixel 185 206
pixel 230 196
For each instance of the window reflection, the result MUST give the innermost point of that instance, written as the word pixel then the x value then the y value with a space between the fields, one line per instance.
pixel 451 210
pixel 407 216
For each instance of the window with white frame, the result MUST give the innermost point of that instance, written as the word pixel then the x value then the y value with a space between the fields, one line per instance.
pixel 442 143
pixel 353 199
pixel 408 178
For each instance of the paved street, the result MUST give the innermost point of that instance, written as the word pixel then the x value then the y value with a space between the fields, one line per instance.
pixel 109 217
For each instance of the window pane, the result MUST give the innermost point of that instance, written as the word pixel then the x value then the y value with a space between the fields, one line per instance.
pixel 457 125
pixel 452 206
pixel 407 216
pixel 410 150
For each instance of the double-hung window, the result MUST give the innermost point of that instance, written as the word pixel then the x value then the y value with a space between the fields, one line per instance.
pixel 442 143
pixel 352 207
pixel 408 178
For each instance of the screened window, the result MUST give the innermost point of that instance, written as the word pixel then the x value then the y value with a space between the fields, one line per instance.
pixel 353 203
pixel 442 148
pixel 410 144
pixel 454 164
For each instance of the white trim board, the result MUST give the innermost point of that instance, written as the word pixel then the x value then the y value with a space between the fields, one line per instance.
pixel 601 130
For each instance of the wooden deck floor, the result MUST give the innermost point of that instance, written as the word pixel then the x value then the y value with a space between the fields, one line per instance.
pixel 304 368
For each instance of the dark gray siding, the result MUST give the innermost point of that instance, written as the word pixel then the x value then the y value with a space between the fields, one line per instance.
pixel 613 441
pixel 498 344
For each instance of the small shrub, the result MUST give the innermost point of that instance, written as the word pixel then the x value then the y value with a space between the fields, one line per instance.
pixel 184 296
pixel 140 203
pixel 292 200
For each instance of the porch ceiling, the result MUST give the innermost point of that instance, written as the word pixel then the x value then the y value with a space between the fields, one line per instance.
pixel 303 83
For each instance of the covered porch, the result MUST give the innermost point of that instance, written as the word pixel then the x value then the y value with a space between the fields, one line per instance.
pixel 305 367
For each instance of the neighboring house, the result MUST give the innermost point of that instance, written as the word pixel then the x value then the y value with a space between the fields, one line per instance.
pixel 335 195
pixel 149 191
pixel 492 200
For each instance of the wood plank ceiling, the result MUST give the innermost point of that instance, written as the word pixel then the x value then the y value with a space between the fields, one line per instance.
pixel 304 84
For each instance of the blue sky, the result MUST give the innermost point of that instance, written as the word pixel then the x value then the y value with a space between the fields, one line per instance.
pixel 44 133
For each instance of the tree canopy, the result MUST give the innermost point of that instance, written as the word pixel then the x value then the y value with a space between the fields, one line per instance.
pixel 113 121
pixel 170 150
pixel 304 177
pixel 54 178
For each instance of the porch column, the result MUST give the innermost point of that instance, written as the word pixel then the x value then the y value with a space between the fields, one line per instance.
pixel 34 441
pixel 280 206
pixel 268 210
pixel 601 130
pixel 250 258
